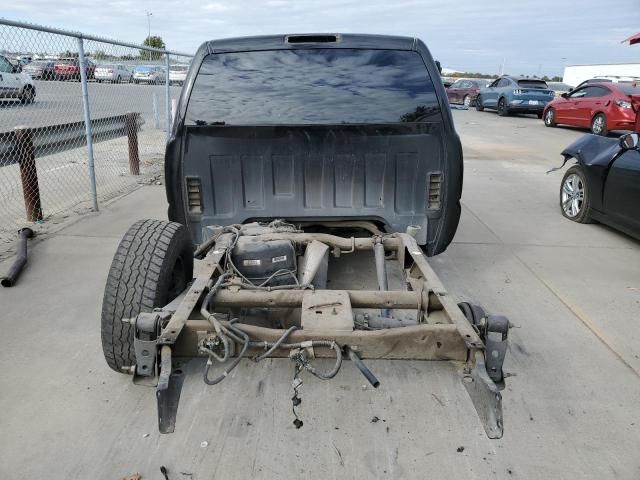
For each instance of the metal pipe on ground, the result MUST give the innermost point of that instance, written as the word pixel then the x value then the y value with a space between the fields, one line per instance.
pixel 12 275
pixel 368 374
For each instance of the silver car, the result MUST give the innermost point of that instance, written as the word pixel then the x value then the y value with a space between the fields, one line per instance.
pixel 113 72
pixel 151 74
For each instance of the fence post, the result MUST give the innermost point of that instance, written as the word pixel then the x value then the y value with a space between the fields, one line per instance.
pixel 168 98
pixel 156 116
pixel 131 125
pixel 28 173
pixel 87 122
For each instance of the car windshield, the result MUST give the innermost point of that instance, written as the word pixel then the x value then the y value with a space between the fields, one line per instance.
pixel 40 63
pixel 144 69
pixel 629 88
pixel 109 65
pixel 312 86
pixel 179 68
pixel 532 84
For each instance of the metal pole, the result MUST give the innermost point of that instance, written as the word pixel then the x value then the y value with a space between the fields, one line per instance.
pixel 87 122
pixel 156 116
pixel 168 97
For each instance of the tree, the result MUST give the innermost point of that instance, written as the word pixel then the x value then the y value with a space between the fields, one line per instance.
pixel 155 42
pixel 101 55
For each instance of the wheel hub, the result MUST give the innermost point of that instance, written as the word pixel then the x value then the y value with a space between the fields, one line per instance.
pixel 572 195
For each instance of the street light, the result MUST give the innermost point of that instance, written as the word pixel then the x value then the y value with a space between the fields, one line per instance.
pixel 149 23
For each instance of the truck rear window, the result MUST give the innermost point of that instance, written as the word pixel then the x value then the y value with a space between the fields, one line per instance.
pixel 312 86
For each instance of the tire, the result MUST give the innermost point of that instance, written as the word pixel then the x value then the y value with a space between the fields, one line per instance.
pixel 479 106
pixel 466 101
pixel 503 111
pixel 539 114
pixel 119 80
pixel 599 125
pixel 152 265
pixel 579 210
pixel 550 118
pixel 28 95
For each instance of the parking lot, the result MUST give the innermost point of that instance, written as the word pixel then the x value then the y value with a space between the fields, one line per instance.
pixel 570 407
pixel 59 102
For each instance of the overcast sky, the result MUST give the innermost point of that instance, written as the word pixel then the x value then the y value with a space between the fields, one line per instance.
pixel 533 36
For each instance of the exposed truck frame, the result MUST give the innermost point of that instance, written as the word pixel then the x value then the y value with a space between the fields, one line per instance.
pixel 442 330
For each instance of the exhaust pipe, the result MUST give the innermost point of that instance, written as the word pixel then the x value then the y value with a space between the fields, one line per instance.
pixel 12 275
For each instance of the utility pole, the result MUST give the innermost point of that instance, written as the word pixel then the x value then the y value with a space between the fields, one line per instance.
pixel 149 23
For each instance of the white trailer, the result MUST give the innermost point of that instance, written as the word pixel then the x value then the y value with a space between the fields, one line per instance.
pixel 574 74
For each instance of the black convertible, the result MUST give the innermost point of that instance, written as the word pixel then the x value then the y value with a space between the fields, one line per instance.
pixel 604 185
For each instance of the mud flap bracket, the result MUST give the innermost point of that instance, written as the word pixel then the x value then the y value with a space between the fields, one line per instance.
pixel 485 396
pixel 168 391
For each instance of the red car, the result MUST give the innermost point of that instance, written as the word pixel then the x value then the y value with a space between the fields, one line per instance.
pixel 69 68
pixel 465 91
pixel 600 107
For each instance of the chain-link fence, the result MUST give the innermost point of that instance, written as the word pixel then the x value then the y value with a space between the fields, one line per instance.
pixel 82 119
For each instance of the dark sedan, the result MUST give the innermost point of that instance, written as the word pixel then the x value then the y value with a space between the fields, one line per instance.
pixel 465 91
pixel 604 185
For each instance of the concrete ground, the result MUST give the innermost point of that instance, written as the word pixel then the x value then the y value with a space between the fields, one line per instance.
pixel 571 406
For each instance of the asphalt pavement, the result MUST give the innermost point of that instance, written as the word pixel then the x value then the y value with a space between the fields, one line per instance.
pixel 60 102
pixel 570 406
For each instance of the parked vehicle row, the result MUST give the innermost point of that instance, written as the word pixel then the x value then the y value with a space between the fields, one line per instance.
pixel 69 69
pixel 601 104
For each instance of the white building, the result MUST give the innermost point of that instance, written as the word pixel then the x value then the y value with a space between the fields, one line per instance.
pixel 574 74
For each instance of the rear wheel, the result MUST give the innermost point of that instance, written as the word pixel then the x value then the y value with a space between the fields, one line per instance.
pixel 575 201
pixel 599 125
pixel 152 265
pixel 466 101
pixel 479 106
pixel 503 111
pixel 28 95
pixel 550 118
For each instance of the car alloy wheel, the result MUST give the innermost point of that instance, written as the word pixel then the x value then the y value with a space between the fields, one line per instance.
pixel 549 118
pixel 502 108
pixel 466 101
pixel 572 195
pixel 599 125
